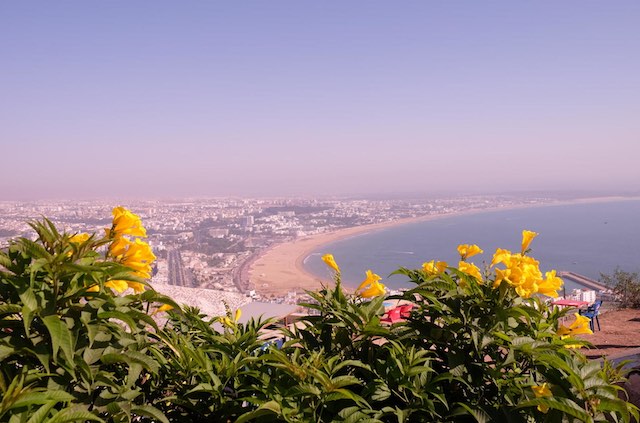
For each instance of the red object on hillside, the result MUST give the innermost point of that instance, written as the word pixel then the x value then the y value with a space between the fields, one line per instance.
pixel 398 314
pixel 570 303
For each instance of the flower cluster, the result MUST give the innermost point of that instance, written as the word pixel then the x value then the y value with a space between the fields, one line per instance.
pixel 520 271
pixel 370 286
pixel 523 272
pixel 466 251
pixel 125 223
pixel 434 267
pixel 578 327
pixel 131 252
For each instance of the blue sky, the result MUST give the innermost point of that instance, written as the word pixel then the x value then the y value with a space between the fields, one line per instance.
pixel 170 99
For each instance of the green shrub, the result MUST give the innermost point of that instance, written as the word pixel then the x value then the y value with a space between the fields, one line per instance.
pixel 70 349
pixel 625 286
pixel 475 346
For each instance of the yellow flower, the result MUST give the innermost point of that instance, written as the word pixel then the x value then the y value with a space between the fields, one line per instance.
pixel 163 307
pixel 118 246
pixel 126 223
pixel 434 267
pixel 578 327
pixel 328 259
pixel 118 285
pixel 94 288
pixel 542 391
pixel 227 321
pixel 371 278
pixel 139 257
pixel 79 238
pixel 550 285
pixel 470 269
pixel 141 251
pixel 467 250
pixel 522 272
pixel 501 275
pixel 374 289
pixel 527 237
pixel 573 346
pixel 500 256
pixel 136 286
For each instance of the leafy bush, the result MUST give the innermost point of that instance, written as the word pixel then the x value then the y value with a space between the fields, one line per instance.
pixel 71 350
pixel 476 346
pixel 626 287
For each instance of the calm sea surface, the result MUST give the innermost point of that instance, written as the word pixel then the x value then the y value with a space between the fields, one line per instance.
pixel 585 238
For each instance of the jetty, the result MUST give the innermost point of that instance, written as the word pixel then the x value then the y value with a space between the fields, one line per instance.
pixel 583 280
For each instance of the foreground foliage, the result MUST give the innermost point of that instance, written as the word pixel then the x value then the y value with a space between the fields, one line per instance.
pixel 78 342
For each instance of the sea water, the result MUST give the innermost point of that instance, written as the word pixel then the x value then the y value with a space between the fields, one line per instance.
pixel 586 238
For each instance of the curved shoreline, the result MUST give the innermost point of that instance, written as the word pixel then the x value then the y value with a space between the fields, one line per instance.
pixel 280 269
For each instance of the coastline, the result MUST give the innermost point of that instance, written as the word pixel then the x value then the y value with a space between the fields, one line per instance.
pixel 280 269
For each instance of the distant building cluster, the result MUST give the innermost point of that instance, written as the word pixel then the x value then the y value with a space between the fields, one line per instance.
pixel 211 243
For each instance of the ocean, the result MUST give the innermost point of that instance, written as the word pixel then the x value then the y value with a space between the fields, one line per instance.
pixel 586 238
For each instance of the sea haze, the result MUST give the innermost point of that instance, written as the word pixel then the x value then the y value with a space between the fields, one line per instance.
pixel 587 238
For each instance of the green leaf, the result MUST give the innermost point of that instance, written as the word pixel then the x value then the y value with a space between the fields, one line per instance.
pixel 616 405
pixel 27 319
pixel 150 411
pixel 131 357
pixel 354 415
pixel 381 393
pixel 10 309
pixel 340 394
pixel 33 397
pixel 480 415
pixel 5 261
pixel 41 414
pixel 271 407
pixel 74 415
pixel 60 337
pixel 561 404
pixel 92 355
pixel 6 351
pixel 119 316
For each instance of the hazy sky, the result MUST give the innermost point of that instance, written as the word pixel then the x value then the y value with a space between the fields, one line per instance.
pixel 182 98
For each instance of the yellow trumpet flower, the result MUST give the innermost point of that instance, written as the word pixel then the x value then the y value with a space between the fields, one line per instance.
pixel 126 223
pixel 371 278
pixel 330 261
pixel 542 391
pixel 527 237
pixel 578 327
pixel 470 269
pixel 79 238
pixel 467 250
pixel 434 267
pixel 374 289
pixel 163 307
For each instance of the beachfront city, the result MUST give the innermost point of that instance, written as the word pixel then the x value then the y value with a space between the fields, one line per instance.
pixel 220 252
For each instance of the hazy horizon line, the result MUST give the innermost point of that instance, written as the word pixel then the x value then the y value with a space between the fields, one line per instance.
pixel 380 196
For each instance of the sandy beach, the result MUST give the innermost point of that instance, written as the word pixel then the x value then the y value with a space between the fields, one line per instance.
pixel 280 269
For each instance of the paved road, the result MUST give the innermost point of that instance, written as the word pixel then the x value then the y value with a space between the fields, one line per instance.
pixel 241 273
pixel 178 275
